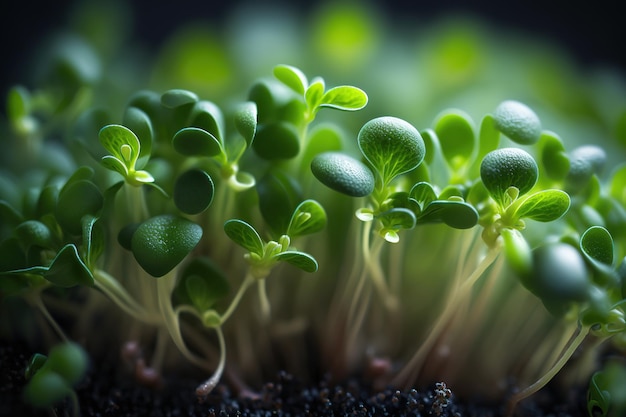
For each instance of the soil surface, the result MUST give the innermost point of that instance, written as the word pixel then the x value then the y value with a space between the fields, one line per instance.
pixel 105 392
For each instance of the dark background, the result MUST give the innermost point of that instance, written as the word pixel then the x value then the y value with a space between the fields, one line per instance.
pixel 593 32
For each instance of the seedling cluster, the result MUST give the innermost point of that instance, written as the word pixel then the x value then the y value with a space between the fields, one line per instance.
pixel 479 254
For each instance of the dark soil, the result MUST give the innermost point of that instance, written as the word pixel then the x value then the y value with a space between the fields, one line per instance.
pixel 108 391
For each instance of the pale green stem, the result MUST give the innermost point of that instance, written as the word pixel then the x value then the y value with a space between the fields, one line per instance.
pixel 118 294
pixel 412 368
pixel 547 377
pixel 206 387
pixel 170 318
pixel 248 280
pixel 35 299
pixel 264 302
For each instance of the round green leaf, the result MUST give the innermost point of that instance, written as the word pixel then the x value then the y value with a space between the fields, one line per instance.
pixel 584 162
pixel 322 138
pixel 177 97
pixel 278 140
pixel 246 120
pixel 505 168
pixel 392 146
pixel 345 97
pixel 343 173
pixel 309 217
pixel 193 141
pixel 244 235
pixel 68 360
pixel 292 77
pixel 162 242
pixel 597 245
pixel 455 131
pixel 46 389
pixel 517 251
pixel 559 277
pixel 193 191
pixel 456 214
pixel 301 260
pixel 33 233
pixel 554 160
pixel 518 122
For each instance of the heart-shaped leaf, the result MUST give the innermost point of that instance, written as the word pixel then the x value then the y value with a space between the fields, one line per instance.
pixel 162 242
pixel 193 191
pixel 246 121
pixel 309 217
pixel 392 146
pixel 292 77
pixel 298 259
pixel 345 97
pixel 244 235
pixel 423 193
pixel 343 173
pixel 68 269
pixel 542 206
pixel 193 141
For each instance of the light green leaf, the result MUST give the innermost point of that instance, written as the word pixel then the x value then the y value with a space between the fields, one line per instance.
pixel 314 94
pixel 488 140
pixel 517 251
pixel 301 260
pixel 518 122
pixel 18 103
pixel 139 123
pixel 309 217
pixel 244 235
pixel 292 77
pixel 112 163
pixel 455 131
pixel 178 97
pixel 543 206
pixel 393 146
pixel 122 143
pixel 553 158
pixel 345 97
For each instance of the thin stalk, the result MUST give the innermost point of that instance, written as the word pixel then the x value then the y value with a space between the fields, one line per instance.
pixel 206 387
pixel 412 368
pixel 248 280
pixel 583 331
pixel 264 302
pixel 35 300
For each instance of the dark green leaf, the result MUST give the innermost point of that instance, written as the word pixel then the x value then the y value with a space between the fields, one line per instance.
pixel 75 201
pixel 46 389
pixel 201 284
pixel 33 233
pixel 244 235
pixel 423 193
pixel 68 360
pixel 162 242
pixel 207 116
pixel 597 244
pixel 68 269
pixel 193 141
pixel 456 214
pixel 505 168
pixel 193 191
pixel 279 195
pixel 279 140
pixel 343 173
pixel 518 122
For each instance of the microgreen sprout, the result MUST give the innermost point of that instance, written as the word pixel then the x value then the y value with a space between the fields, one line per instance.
pixel 483 252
